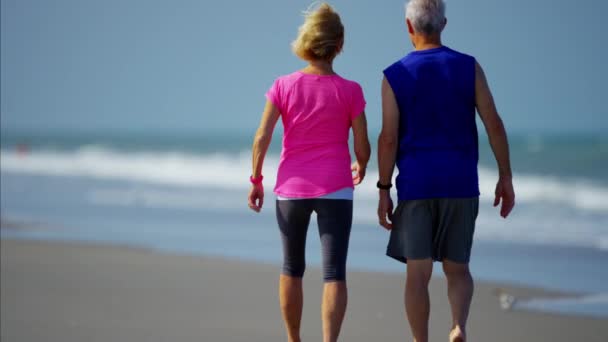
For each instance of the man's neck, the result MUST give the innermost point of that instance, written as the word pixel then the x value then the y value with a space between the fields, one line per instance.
pixel 423 42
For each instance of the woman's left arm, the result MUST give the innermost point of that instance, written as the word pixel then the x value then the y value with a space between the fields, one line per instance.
pixel 261 142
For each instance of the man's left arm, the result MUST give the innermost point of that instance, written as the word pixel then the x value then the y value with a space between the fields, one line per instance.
pixel 497 136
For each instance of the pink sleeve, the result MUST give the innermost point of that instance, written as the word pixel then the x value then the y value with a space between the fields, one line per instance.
pixel 274 94
pixel 358 101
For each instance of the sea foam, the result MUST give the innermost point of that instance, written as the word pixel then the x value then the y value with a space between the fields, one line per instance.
pixel 231 171
pixel 550 210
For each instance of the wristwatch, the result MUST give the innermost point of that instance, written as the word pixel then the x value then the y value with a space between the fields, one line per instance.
pixel 384 186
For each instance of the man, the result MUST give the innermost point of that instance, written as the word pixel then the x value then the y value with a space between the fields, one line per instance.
pixel 429 99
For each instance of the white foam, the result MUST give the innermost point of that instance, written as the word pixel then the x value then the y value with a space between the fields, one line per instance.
pixel 593 304
pixel 603 243
pixel 170 168
pixel 161 198
pixel 579 194
pixel 550 210
pixel 231 171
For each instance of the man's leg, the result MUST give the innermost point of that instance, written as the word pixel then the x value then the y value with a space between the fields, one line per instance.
pixel 417 302
pixel 458 218
pixel 460 294
pixel 291 299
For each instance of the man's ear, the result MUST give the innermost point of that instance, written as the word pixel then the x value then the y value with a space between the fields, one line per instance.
pixel 445 22
pixel 410 27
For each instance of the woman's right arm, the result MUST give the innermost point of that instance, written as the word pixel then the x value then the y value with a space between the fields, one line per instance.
pixel 263 136
pixel 261 142
pixel 362 148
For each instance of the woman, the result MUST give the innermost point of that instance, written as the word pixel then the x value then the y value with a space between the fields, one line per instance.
pixel 317 108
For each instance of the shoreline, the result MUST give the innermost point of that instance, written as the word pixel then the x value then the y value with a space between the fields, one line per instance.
pixel 69 291
pixel 512 257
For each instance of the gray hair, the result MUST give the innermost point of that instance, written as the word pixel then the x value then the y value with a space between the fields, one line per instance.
pixel 427 16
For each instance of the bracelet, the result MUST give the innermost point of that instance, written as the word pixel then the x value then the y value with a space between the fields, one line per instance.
pixel 384 186
pixel 257 180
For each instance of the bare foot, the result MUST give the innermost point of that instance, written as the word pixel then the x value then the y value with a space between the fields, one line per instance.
pixel 457 335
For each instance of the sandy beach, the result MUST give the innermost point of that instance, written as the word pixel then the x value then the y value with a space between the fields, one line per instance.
pixel 80 292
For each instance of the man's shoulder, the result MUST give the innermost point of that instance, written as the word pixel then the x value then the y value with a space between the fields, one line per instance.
pixel 403 60
pixel 459 53
pixel 404 63
pixel 397 66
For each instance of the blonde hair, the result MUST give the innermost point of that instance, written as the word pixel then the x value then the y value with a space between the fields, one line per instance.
pixel 321 35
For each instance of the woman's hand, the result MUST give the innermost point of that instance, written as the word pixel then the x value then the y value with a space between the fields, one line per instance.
pixel 256 197
pixel 262 139
pixel 359 172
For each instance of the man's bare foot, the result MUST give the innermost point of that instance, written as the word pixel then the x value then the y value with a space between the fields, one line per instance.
pixel 457 335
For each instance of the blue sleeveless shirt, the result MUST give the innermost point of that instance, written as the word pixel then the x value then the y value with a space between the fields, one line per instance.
pixel 437 154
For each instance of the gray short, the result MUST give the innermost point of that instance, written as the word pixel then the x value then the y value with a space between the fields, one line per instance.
pixel 434 228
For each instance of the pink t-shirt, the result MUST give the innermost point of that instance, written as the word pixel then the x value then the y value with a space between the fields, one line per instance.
pixel 317 111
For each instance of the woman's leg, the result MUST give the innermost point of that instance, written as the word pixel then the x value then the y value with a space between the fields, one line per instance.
pixel 291 299
pixel 335 219
pixel 293 217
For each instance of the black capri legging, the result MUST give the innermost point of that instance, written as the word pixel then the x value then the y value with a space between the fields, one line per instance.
pixel 334 217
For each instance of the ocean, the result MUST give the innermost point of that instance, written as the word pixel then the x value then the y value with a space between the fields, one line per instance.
pixel 187 193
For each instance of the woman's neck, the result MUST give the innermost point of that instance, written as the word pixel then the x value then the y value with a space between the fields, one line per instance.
pixel 319 68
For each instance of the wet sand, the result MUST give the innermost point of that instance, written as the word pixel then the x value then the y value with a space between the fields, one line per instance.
pixel 80 292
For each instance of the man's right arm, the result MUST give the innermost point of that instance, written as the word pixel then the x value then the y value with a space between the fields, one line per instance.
pixel 387 152
pixel 498 141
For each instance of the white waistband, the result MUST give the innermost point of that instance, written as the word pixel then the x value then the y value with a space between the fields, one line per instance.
pixel 342 194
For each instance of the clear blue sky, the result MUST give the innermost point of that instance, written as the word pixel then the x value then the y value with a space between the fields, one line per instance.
pixel 204 66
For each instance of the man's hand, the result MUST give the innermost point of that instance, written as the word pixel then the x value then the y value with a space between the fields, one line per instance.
pixel 256 197
pixel 505 194
pixel 385 209
pixel 359 173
